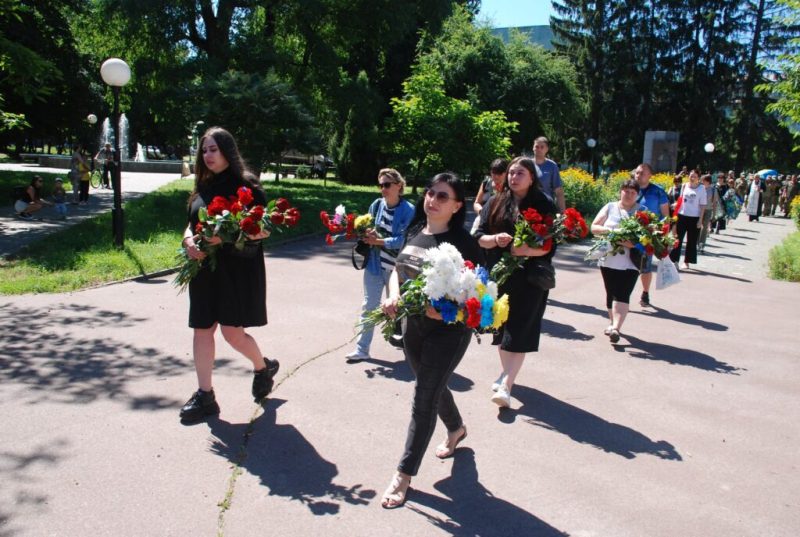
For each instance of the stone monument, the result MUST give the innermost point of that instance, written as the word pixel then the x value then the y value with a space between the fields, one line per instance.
pixel 661 150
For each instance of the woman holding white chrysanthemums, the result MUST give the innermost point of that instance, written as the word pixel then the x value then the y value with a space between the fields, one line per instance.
pixel 432 347
pixel 391 214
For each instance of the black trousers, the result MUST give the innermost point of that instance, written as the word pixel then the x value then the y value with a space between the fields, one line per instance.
pixel 619 284
pixel 433 350
pixel 687 227
pixel 107 171
pixel 84 193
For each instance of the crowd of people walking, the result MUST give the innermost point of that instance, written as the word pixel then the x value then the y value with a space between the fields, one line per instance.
pixel 232 296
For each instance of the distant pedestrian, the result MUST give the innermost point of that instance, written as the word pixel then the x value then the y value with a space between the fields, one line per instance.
pixel 106 156
pixel 76 164
pixel 60 198
pixel 690 216
pixel 549 175
pixel 655 199
pixel 753 202
pixel 489 187
pixel 720 210
pixel 712 199
pixel 31 199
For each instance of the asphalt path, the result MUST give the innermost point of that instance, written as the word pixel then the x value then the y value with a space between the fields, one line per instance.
pixel 687 427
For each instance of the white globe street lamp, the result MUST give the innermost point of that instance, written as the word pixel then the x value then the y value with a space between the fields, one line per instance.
pixel 709 147
pixel 92 119
pixel 116 73
pixel 591 143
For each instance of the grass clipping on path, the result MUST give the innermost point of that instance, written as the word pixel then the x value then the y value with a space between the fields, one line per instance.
pixel 83 255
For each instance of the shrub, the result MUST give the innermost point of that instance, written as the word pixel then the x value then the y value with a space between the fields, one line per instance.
pixel 303 172
pixel 794 210
pixel 583 192
pixel 784 259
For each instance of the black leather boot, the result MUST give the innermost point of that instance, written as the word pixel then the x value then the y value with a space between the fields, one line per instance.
pixel 264 380
pixel 199 405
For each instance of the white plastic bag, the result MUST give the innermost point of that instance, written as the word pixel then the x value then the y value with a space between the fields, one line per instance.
pixel 667 274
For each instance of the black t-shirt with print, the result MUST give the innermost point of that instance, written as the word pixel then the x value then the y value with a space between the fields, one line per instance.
pixel 411 258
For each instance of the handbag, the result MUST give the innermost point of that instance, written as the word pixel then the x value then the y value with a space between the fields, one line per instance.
pixel 637 258
pixel 359 255
pixel 540 274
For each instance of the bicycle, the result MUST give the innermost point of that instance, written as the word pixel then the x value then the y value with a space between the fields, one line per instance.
pixel 95 179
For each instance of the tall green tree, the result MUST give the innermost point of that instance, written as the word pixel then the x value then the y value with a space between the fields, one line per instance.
pixel 431 132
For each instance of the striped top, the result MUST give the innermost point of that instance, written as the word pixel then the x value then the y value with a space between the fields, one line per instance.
pixel 384 229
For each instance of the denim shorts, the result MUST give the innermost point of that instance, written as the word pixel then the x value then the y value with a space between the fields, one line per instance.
pixel 649 266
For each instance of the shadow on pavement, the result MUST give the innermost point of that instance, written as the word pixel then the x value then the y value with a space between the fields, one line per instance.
pixel 20 483
pixel 547 412
pixel 579 308
pixel 399 370
pixel 638 348
pixel 285 462
pixel 40 354
pixel 470 509
pixel 661 313
pixel 723 276
pixel 563 331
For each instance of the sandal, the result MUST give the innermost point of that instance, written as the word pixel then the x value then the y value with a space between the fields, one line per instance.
pixel 444 450
pixel 395 494
pixel 608 330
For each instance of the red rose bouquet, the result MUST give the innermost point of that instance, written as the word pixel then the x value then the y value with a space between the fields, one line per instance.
pixel 538 231
pixel 649 234
pixel 233 220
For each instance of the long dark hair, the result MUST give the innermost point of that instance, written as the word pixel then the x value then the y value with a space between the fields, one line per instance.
pixel 504 208
pixel 229 149
pixel 457 220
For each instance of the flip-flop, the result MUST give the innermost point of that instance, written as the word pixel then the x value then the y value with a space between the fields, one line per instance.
pixel 443 452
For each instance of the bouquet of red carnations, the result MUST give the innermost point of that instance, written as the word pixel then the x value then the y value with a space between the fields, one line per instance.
pixel 350 226
pixel 233 220
pixel 537 231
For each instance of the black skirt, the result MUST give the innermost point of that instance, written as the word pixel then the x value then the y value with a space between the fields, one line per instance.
pixel 235 294
pixel 526 304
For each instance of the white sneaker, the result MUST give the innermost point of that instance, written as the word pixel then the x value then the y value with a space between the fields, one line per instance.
pixel 357 356
pixel 496 384
pixel 503 397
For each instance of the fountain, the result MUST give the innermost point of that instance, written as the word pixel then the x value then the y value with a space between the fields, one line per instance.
pixel 141 154
pixel 107 135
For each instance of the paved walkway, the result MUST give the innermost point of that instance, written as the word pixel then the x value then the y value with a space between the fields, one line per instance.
pixel 687 427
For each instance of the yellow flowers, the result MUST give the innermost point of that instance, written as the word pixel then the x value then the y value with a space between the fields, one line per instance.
pixel 363 223
pixel 500 311
pixel 645 240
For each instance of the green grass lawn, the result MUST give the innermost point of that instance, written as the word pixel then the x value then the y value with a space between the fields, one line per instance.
pixel 83 255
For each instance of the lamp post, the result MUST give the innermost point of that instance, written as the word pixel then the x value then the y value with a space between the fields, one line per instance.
pixel 116 74
pixel 91 119
pixel 591 143
pixel 709 148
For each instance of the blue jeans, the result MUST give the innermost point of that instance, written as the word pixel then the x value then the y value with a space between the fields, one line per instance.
pixel 374 284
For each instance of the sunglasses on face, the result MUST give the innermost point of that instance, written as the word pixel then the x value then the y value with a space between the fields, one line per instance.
pixel 387 184
pixel 440 196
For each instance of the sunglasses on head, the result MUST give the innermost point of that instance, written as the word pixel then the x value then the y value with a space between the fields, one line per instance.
pixel 440 196
pixel 386 184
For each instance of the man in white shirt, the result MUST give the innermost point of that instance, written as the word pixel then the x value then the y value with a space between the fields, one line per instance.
pixel 549 175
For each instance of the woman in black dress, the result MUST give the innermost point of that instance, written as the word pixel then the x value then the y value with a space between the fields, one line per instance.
pixel 234 295
pixel 526 302
pixel 433 349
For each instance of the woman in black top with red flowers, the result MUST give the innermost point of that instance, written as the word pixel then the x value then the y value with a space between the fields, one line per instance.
pixel 526 302
pixel 234 294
